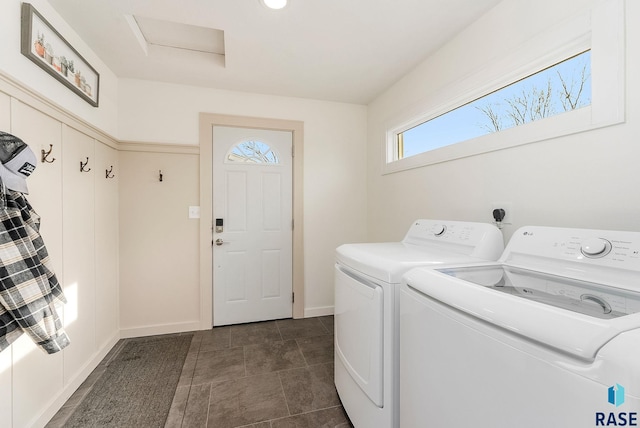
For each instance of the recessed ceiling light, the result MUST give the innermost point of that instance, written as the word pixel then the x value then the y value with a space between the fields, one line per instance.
pixel 274 4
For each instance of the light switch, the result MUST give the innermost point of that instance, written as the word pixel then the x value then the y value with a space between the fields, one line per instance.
pixel 194 212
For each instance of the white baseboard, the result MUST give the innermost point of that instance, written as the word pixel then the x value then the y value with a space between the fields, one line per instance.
pixel 154 330
pixel 318 312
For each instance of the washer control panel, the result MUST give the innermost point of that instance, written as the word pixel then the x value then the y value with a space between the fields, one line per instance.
pixel 451 231
pixel 595 247
pixel 482 240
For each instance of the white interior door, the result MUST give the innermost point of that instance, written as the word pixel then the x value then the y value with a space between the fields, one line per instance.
pixel 252 248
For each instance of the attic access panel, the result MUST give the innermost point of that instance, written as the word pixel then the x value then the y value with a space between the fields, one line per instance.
pixel 177 35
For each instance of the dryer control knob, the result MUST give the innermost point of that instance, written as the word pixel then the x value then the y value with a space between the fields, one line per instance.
pixel 595 247
pixel 439 229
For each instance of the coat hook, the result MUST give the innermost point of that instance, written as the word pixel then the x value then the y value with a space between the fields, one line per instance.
pixel 46 154
pixel 83 165
pixel 109 173
pixel 160 176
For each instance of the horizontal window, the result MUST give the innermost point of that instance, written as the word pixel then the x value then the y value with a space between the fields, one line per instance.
pixel 560 88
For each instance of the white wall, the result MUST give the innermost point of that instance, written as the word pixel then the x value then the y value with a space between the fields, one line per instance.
pixel 159 287
pixel 584 180
pixel 23 70
pixel 334 159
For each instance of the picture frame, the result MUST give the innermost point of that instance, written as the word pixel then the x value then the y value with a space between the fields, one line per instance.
pixel 43 45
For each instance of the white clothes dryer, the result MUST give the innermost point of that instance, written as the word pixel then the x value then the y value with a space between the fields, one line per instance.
pixel 547 337
pixel 367 280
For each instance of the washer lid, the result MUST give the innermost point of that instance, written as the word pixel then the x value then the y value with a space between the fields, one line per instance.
pixel 574 316
pixel 388 261
pixel 574 295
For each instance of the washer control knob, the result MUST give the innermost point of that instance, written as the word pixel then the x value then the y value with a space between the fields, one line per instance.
pixel 595 247
pixel 438 229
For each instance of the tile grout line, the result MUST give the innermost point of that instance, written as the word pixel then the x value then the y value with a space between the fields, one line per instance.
pixel 297 414
pixel 184 412
pixel 279 332
pixel 324 326
pixel 244 360
pixel 286 402
pixel 206 423
pixel 302 353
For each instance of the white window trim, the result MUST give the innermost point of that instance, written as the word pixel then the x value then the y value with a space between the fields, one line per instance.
pixel 602 31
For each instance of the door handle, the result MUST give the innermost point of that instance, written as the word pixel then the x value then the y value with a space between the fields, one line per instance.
pixel 219 242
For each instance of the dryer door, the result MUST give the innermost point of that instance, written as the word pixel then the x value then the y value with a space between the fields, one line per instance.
pixel 358 330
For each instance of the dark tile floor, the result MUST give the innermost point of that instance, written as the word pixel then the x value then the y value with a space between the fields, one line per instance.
pixel 273 374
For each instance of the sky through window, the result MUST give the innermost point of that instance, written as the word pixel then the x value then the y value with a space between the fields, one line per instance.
pixel 563 87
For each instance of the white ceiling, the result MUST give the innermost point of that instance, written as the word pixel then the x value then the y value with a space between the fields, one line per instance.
pixel 337 50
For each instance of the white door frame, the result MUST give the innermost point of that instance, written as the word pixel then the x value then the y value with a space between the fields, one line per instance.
pixel 207 122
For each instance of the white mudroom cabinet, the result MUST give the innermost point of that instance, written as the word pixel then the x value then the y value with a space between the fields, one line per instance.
pixel 79 211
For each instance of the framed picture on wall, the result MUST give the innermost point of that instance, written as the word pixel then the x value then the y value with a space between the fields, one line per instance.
pixel 43 45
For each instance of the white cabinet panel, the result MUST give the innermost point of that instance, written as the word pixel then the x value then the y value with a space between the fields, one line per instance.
pixel 37 379
pixel 106 242
pixel 78 247
pixel 37 376
pixel 79 212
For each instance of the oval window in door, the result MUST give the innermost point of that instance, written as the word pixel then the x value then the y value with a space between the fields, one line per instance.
pixel 252 152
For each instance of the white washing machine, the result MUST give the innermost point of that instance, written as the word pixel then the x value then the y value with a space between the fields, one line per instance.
pixel 367 280
pixel 549 336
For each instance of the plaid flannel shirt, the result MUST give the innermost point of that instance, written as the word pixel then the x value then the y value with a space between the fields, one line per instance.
pixel 29 288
